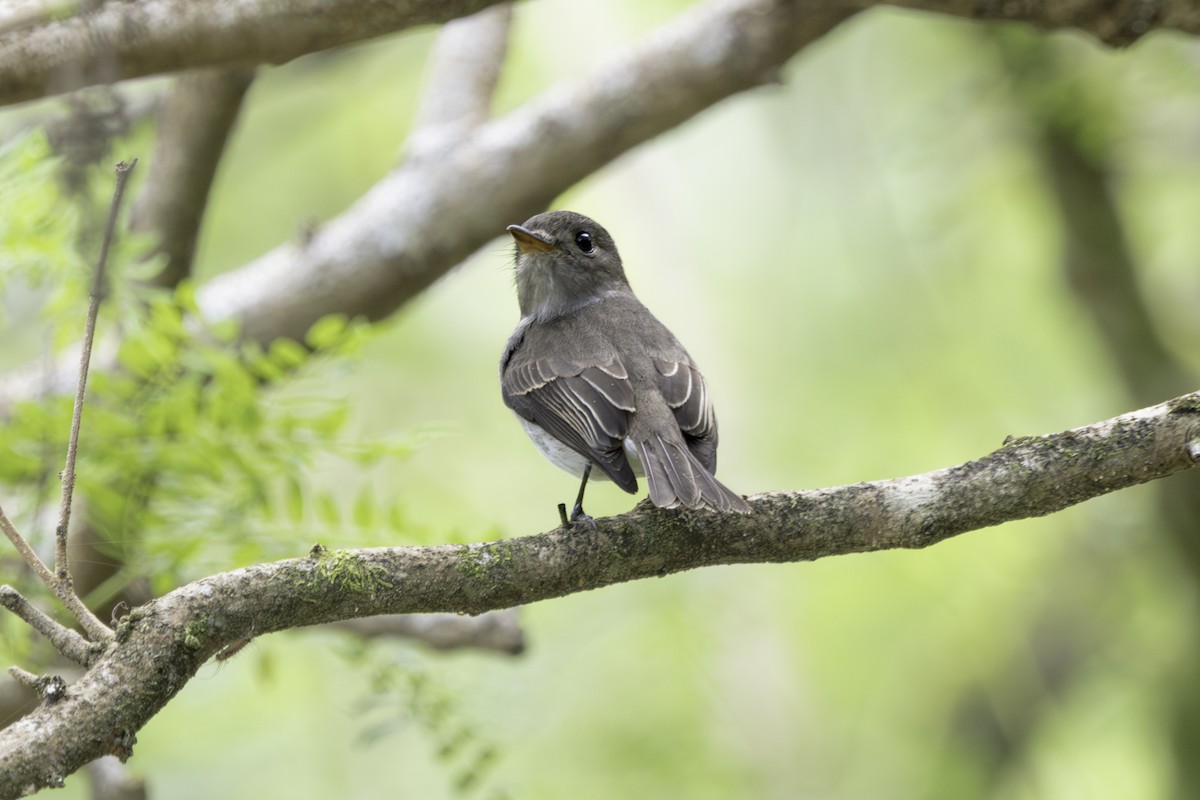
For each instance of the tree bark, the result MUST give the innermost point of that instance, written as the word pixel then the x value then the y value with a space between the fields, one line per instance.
pixel 159 646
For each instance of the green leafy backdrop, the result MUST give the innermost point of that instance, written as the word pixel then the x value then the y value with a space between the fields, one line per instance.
pixel 866 259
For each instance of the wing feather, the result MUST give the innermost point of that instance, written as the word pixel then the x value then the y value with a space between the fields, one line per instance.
pixel 686 393
pixel 587 408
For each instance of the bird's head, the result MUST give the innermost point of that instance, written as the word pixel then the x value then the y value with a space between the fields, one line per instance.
pixel 563 261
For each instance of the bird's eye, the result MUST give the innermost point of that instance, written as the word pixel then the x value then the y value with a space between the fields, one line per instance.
pixel 583 240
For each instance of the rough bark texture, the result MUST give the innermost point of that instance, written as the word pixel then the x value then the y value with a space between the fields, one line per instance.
pixel 112 41
pixel 423 219
pixel 160 645
pixel 1114 22
pixel 431 213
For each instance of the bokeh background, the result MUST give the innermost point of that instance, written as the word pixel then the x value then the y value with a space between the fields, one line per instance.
pixel 885 264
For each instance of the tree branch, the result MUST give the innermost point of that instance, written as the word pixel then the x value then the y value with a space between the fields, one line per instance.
pixel 1114 22
pixel 430 214
pixel 62 573
pixel 401 235
pixel 194 122
pixel 463 71
pixel 64 640
pixel 112 41
pixel 160 645
pixel 496 630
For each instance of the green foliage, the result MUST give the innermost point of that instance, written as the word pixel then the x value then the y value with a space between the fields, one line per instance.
pixel 404 694
pixel 38 231
pixel 196 450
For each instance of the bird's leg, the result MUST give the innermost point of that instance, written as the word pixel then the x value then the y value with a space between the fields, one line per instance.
pixel 577 514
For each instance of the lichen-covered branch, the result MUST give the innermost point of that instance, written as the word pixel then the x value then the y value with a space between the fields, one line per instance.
pixel 160 646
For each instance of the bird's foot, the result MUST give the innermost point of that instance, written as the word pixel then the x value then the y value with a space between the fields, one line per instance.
pixel 577 515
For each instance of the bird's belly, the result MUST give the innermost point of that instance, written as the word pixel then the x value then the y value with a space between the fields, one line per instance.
pixel 567 459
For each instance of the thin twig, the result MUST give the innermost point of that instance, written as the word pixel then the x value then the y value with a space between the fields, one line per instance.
pixel 85 357
pixel 95 628
pixel 31 558
pixel 64 640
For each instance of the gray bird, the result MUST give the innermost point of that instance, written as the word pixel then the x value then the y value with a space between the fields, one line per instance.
pixel 597 381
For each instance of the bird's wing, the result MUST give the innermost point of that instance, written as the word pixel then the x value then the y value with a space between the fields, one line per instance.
pixel 686 393
pixel 587 408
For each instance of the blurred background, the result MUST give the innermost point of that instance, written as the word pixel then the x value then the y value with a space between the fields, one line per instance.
pixel 929 236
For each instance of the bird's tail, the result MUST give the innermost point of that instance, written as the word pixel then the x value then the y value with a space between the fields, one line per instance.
pixel 676 478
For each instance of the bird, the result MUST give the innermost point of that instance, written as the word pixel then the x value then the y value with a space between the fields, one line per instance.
pixel 597 382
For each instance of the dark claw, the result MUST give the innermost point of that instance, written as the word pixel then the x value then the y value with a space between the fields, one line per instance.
pixel 577 515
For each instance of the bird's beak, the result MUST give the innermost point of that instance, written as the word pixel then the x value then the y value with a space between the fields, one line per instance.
pixel 528 241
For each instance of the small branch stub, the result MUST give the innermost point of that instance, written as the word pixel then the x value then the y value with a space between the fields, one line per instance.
pixel 50 688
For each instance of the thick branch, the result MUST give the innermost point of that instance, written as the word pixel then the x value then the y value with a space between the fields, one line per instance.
pixel 117 40
pixel 430 214
pixel 193 125
pixel 496 630
pixel 162 644
pixel 426 217
pixel 1114 22
pixel 114 41
pixel 419 222
pixel 463 72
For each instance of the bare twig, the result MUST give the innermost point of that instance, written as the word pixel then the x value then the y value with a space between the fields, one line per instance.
pixel 64 640
pixel 31 558
pixel 62 573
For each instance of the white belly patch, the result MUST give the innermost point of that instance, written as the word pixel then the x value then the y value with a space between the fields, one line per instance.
pixel 567 459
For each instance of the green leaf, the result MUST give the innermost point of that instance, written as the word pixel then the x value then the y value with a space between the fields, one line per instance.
pixel 327 331
pixel 327 510
pixel 364 508
pixel 288 353
pixel 185 296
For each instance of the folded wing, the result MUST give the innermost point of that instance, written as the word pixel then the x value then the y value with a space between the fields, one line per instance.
pixel 587 408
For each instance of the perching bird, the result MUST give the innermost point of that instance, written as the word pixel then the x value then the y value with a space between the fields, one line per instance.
pixel 597 381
